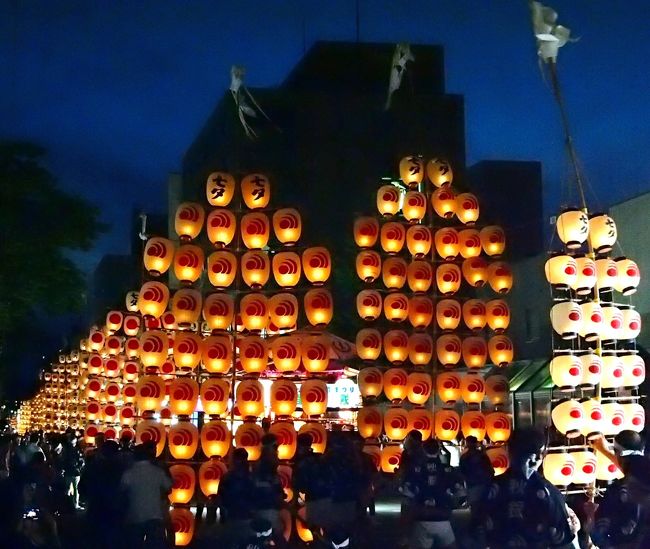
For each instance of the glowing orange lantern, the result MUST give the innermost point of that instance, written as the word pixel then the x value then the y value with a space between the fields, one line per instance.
pixel 475 314
pixel 255 230
pixel 189 220
pixel 439 172
pixel 448 278
pixel 498 426
pixel 188 263
pixel 283 309
pixel 249 398
pixel 447 243
pixel 444 202
pixel 183 483
pixel 475 271
pixel 368 344
pixel 255 268
pixel 448 349
pixel 221 227
pixel 396 423
pixel 158 255
pixel 411 170
pixel 317 264
pixel 315 352
pixel 186 306
pixel 152 431
pixel 415 206
pixel 219 189
pixel 215 438
pixel 287 226
pixel 256 191
pixel 153 348
pixel 153 299
pixel 499 459
pixel 448 314
pixel 498 315
pixel 628 276
pixel 371 382
pixel 420 311
pixel 210 474
pixel 254 312
pixel 368 265
pixel 448 386
pixel 421 420
pixel 286 269
pixel 286 354
pixel 222 268
pixel 150 393
pixel 249 437
pixel 182 521
pixel 284 397
pixel 287 438
pixel 419 387
pixel 392 237
pixel 493 240
pixel 396 307
pixel 470 243
pixel 318 435
pixel 183 396
pixel 215 393
pixel 474 351
pixel 395 384
pixel 217 354
pixel 313 395
pixel 447 424
pixel 420 349
pixel 472 388
pixel 500 349
pixel 396 346
pixel 319 307
pixel 394 273
pixel 253 354
pixel 366 231
pixel 188 348
pixel 419 240
pixel 388 198
pixel 219 311
pixel 391 457
pixel 472 424
pixel 467 209
pixel 500 277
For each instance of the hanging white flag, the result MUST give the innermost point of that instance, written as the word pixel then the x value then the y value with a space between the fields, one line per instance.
pixel 241 95
pixel 549 35
pixel 401 57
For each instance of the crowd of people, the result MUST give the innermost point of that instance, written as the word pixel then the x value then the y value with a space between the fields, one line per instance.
pixel 56 492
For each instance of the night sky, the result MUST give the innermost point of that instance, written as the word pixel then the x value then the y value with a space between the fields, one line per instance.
pixel 116 91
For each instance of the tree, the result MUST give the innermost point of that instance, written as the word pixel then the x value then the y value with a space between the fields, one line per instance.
pixel 39 222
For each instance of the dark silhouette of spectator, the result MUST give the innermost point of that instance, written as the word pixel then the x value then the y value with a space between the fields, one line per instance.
pixel 409 469
pixel 478 473
pixel 71 463
pixel 346 476
pixel 262 536
pixel 369 475
pixel 235 495
pixel 268 494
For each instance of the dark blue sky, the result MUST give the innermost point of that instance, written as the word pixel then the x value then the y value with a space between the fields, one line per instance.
pixel 116 91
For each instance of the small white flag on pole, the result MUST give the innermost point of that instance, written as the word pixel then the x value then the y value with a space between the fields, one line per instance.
pixel 401 57
pixel 550 36
pixel 241 95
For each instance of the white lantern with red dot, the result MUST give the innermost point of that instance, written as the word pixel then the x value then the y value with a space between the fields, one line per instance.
pixel 366 232
pixel 215 393
pixel 420 349
pixel 448 313
pixel 113 345
pixel 130 371
pixel 447 424
pixel 393 273
pixel 586 278
pixel 594 418
pixel 183 396
pixel 411 170
pixel 287 226
pixel 447 243
pixel 131 326
pixel 439 172
pixel 448 349
pixel 396 346
pixel 369 422
pixel 606 470
pixel 448 278
pixel 96 340
pixel 614 418
pixel 371 382
pixel 472 424
pixel 114 321
pixel 613 371
pixel 475 314
pixel 188 263
pixel 628 276
pixel 561 271
pixel 388 199
pixel 396 423
pixel 414 207
pixel 315 352
pixel 559 468
pixel 470 243
pixel 127 415
pixel 613 323
pixel 368 265
pixel 368 344
pixel 222 268
pixel 568 417
pixel 498 426
pixel 254 312
pixel 585 467
pixel 421 419
pixel 566 319
pixel 592 369
pixel 501 350
pixel 186 306
pixel 111 367
pixel 93 411
pixel 631 324
pixel 634 416
pixel 395 384
pixel 419 387
pixel 448 386
pixel 493 240
pixel 392 237
pixel 444 202
pixel 474 351
pixel 566 371
pixel 633 370
pixel 592 320
pixel 129 392
pixel 419 276
pixel 420 310
pixel 319 307
pixel 606 274
pixel 284 397
pixel 467 208
pixel 572 227
pixel 500 277
pixel 369 304
pixel 419 240
pixel 475 271
pixel 602 233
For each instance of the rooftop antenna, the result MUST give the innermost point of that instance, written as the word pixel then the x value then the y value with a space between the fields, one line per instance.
pixel 357 18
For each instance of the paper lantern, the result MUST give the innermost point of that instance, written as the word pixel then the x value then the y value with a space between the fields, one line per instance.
pixel 150 393
pixel 614 418
pixel 249 437
pixel 419 276
pixel 606 274
pixel 249 398
pixel 392 237
pixel 183 483
pixel 318 435
pixel 396 423
pixel 592 321
pixel 415 206
pixel 628 276
pixel 467 208
pixel 475 314
pixel 319 307
pixel 391 457
pixel 317 264
pixel 439 172
pixel 561 271
pixel 566 319
pixel 420 311
pixel 127 415
pixel 158 255
pixel 602 233
pixel 304 534
pixel 186 307
pixel 634 415
pixel 631 327
pixel 472 424
pixel 253 354
pixel 470 243
pixel 286 353
pixel 572 227
pixel 606 470
pixel 287 226
pixel 113 346
pixel 188 263
pixel 448 386
pixel 366 232
pixel 189 220
pixel 475 271
pixel 444 202
pixel 284 397
pixel 420 349
pixel 474 351
pixel 256 191
pixel 421 419
pixel 215 393
pixel 472 388
pixel 152 299
pixel 168 319
pixel 498 426
pixel 111 367
pixel 182 521
pixel 151 431
pixel 287 438
pixel 219 189
pixel 613 371
pixel 585 472
pixel 568 417
pixel 283 309
pixel 315 352
pixel 130 371
pixel 221 227
pixel 255 230
pixel 394 273
pixel 500 349
pixel 448 313
pixel 419 387
pixel 592 368
pixel 448 278
pixel 217 353
pixel 286 269
pixel 369 422
pixel 368 344
pixel 371 382
pixel 395 384
pixel 153 348
pixel 586 278
pixel 559 468
pixel 396 346
pixel 254 312
pixel 594 418
pixel 313 395
pixel 396 307
pixel 93 411
pixel 368 265
pixel 499 459
pixel 566 371
pixel 500 277
pixel 388 199
pixel 493 240
pixel 188 349
pixel 95 341
pixel 183 396
pixel 448 349
pixel 498 315
pixel 255 268
pixel 419 240
pixel 447 243
pixel 131 326
pixel 411 170
pixel 222 268
pixel 633 370
pixel 613 323
pixel 129 392
pixel 447 424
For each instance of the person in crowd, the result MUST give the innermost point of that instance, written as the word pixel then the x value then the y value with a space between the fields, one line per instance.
pixel 33 447
pixel 369 475
pixel 235 496
pixel 477 471
pixel 410 467
pixel 268 494
pixel 146 487
pixel 262 536
pixel 521 508
pixel 71 463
